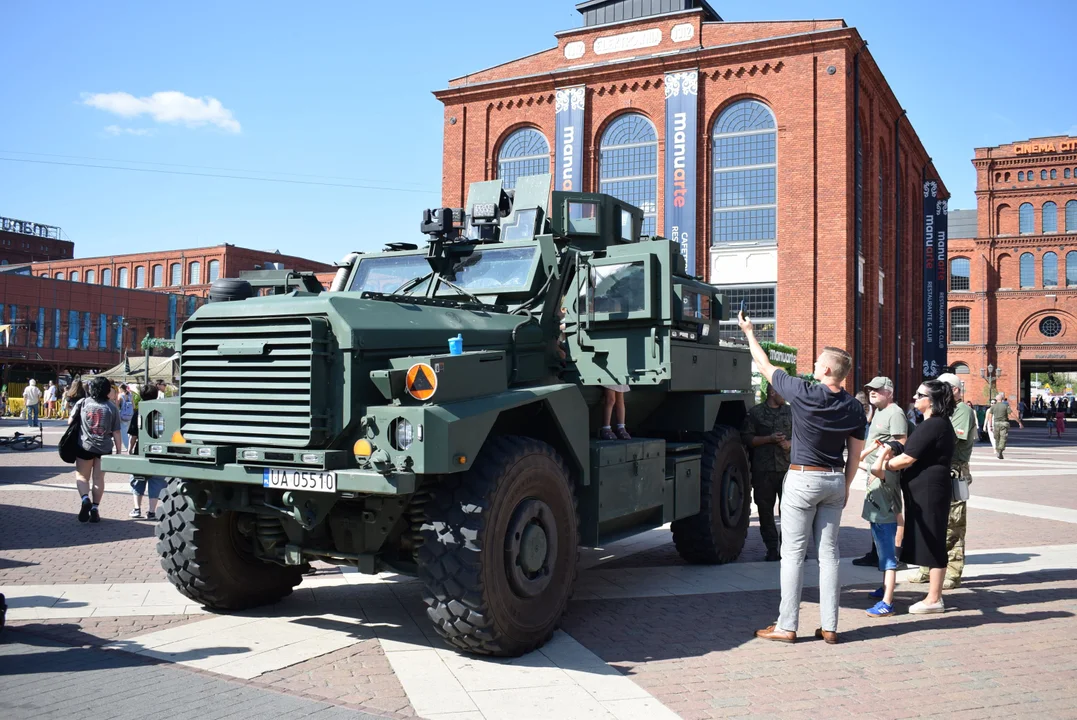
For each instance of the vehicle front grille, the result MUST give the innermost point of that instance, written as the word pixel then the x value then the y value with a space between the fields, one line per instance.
pixel 253 381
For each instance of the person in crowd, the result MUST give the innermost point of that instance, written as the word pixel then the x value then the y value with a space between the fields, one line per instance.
pixel 50 401
pixel 3 401
pixel 72 395
pixel 139 484
pixel 965 430
pixel 31 398
pixel 162 388
pixel 767 429
pixel 1021 408
pixel 888 424
pixel 127 411
pixel 925 483
pixel 1000 414
pixel 827 421
pixel 912 416
pixel 613 408
pixel 99 434
pixel 1060 423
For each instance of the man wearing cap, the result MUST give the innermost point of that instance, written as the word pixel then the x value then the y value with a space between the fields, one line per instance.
pixel 966 428
pixel 888 424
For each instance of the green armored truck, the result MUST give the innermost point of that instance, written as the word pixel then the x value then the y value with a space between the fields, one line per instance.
pixel 436 413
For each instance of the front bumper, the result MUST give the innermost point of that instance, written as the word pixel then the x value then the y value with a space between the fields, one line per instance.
pixel 348 480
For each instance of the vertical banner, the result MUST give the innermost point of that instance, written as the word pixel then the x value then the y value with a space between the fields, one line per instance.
pixel 682 92
pixel 935 280
pixel 569 105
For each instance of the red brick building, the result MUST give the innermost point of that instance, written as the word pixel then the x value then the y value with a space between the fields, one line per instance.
pixel 787 146
pixel 187 272
pixel 22 241
pixel 1013 273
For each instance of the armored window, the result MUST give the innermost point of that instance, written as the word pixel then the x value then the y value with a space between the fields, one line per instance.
pixel 760 303
pixel 123 278
pixel 1049 217
pixel 1043 174
pixel 194 273
pixel 1026 219
pixel 959 325
pixel 960 273
pixel 158 275
pixel 175 274
pixel 1028 270
pixel 618 288
pixel 1050 269
pixel 106 276
pixel 214 270
pixel 628 165
pixel 1054 174
pixel 1071 268
pixel 90 276
pixel 1020 177
pixel 1071 216
pixel 525 152
pixel 140 276
pixel 745 140
pixel 74 276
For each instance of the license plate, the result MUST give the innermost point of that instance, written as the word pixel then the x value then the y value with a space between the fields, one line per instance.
pixel 299 480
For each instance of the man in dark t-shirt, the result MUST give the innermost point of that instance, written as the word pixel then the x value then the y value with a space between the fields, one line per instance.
pixel 828 425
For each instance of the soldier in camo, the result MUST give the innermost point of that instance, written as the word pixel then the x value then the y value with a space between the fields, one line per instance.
pixel 967 430
pixel 767 429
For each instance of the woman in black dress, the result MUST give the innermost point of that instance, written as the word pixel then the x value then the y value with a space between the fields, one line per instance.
pixel 926 488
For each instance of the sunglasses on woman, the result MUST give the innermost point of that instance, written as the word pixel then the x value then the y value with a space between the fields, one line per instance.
pixel 919 395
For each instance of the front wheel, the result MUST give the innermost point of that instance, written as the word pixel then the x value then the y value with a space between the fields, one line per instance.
pixel 210 561
pixel 499 550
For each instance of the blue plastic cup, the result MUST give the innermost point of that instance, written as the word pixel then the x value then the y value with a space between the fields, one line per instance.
pixel 456 345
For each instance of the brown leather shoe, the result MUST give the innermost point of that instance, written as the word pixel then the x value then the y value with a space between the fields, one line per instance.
pixel 771 632
pixel 827 636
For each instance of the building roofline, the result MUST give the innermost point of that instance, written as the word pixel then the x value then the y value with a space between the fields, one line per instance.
pixel 179 250
pixel 629 21
pixel 1029 140
pixel 586 4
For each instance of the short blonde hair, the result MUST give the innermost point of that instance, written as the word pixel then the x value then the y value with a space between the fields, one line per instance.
pixel 839 362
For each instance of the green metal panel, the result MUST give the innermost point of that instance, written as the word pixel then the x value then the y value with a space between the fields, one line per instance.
pixel 693 367
pixel 628 476
pixel 685 472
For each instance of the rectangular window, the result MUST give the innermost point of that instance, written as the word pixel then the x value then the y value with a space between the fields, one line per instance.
pixel 582 217
pixel 119 331
pixel 13 314
pixel 959 325
pixel 960 272
pixel 41 330
pixel 56 328
pixel 171 316
pixel 760 303
pixel 72 329
pixel 86 325
pixel 102 331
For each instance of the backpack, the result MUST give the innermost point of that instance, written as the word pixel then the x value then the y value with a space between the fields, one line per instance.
pixel 127 410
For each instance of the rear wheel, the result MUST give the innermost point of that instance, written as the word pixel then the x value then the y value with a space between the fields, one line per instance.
pixel 716 534
pixel 499 550
pixel 210 561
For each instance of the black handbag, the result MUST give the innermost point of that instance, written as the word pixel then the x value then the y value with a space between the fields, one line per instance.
pixel 70 441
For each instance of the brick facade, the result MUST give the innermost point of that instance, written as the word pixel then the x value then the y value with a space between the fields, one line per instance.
pixel 1008 313
pixel 24 242
pixel 806 73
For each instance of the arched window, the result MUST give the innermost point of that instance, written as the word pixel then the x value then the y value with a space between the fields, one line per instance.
pixel 1049 217
pixel 961 369
pixel 628 165
pixel 91 276
pixel 74 276
pixel 525 152
pixel 1026 222
pixel 194 273
pixel 1028 270
pixel 45 275
pixel 140 276
pixel 1050 269
pixel 1054 174
pixel 214 270
pixel 745 140
pixel 122 278
pixel 158 275
pixel 1066 173
pixel 1071 268
pixel 959 325
pixel 960 273
pixel 1021 177
pixel 1043 174
pixel 59 276
pixel 1071 216
pixel 106 276
pixel 175 274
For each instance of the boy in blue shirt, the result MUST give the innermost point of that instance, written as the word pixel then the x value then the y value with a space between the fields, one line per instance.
pixel 881 506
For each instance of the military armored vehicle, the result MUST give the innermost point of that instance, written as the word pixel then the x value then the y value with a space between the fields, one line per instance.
pixel 436 413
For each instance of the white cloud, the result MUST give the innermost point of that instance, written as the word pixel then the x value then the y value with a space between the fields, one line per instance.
pixel 166 107
pixel 117 130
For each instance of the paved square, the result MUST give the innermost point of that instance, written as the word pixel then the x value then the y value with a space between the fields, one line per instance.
pixel 646 636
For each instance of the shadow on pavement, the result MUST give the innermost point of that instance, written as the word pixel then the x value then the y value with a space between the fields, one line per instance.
pixel 27 528
pixel 57 657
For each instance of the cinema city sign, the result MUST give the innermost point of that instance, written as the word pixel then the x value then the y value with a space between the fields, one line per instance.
pixel 636 40
pixel 1045 147
pixel 24 227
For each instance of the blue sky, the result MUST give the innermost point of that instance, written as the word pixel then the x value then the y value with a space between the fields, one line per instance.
pixel 339 92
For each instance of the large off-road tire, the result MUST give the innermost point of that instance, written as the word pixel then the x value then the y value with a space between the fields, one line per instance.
pixel 716 534
pixel 499 550
pixel 207 559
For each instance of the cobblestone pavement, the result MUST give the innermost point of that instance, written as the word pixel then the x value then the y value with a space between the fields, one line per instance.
pixel 647 636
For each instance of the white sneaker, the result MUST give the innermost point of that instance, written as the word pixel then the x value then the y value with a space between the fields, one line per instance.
pixel 923 608
pixel 135 513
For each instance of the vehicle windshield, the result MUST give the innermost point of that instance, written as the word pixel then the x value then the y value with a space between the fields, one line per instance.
pixel 496 270
pixel 386 274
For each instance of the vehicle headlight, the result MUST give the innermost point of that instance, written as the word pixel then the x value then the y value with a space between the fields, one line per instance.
pixel 155 424
pixel 400 434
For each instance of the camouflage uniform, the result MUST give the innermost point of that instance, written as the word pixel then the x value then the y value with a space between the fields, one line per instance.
pixel 1000 416
pixel 769 464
